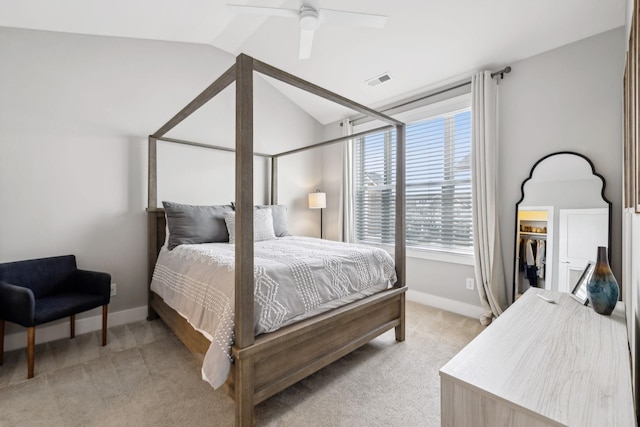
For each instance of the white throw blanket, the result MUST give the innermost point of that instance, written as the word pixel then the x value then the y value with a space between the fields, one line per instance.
pixel 295 278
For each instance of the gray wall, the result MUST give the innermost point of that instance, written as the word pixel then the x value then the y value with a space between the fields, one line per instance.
pixel 75 112
pixel 565 99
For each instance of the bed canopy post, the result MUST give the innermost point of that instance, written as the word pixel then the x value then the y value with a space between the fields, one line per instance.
pixel 153 244
pixel 400 235
pixel 274 180
pixel 152 183
pixel 244 326
pixel 400 246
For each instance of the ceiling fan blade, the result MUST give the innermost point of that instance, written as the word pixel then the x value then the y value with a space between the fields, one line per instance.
pixel 352 18
pixel 306 41
pixel 264 11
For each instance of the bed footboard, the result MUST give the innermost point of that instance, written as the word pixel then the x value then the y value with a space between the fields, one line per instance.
pixel 291 354
pixel 284 357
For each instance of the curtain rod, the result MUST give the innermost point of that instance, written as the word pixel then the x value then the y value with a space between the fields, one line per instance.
pixel 463 83
pixel 501 73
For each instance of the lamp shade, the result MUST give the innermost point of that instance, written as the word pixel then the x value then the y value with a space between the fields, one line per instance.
pixel 317 200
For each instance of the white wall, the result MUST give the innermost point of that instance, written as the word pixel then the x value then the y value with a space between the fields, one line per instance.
pixel 75 112
pixel 565 99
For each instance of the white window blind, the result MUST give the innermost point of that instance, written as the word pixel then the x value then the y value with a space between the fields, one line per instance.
pixel 438 190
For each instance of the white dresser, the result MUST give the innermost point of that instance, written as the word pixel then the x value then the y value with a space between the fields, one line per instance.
pixel 542 364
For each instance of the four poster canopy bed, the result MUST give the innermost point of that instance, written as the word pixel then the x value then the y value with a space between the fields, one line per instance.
pixel 265 356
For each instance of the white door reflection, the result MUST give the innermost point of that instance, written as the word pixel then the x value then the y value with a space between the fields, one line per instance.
pixel 580 231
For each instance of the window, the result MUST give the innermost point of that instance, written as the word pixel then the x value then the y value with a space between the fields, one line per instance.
pixel 438 190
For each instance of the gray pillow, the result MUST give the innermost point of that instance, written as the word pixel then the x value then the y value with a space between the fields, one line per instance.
pixel 280 219
pixel 262 225
pixel 189 224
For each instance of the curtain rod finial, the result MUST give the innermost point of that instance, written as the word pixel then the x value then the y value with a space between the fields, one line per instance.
pixel 501 73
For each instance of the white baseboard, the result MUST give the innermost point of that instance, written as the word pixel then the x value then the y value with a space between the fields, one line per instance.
pixel 462 308
pixel 61 330
pixel 58 331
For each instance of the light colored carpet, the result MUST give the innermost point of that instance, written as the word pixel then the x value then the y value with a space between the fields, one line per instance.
pixel 146 377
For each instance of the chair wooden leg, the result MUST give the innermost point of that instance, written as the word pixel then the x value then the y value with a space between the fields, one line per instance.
pixel 105 312
pixel 72 325
pixel 1 341
pixel 31 347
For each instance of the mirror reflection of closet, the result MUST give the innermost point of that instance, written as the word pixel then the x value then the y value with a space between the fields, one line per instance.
pixel 561 219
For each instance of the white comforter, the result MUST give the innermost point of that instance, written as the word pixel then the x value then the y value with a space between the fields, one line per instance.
pixel 295 278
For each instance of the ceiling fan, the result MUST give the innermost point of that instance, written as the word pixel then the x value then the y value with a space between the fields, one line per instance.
pixel 310 16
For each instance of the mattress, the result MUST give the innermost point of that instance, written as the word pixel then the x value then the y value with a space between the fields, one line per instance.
pixel 295 278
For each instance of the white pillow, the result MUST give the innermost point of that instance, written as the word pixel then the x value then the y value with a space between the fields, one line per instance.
pixel 262 225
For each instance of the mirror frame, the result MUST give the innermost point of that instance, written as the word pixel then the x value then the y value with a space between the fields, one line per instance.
pixel 522 195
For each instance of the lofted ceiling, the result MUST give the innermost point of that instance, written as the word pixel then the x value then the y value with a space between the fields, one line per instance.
pixel 424 43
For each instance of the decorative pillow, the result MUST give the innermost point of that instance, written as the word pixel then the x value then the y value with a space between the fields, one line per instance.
pixel 262 225
pixel 280 219
pixel 189 224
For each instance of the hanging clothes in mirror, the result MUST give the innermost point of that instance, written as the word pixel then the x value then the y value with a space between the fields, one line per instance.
pixel 534 259
pixel 541 257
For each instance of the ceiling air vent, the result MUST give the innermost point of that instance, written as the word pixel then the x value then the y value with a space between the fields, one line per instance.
pixel 385 77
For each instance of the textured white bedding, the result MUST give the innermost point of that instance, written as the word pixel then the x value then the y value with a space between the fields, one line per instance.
pixel 295 278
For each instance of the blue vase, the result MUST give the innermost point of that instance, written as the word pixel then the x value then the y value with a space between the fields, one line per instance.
pixel 602 288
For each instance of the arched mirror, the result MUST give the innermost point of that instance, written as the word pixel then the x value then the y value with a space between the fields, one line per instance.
pixel 561 219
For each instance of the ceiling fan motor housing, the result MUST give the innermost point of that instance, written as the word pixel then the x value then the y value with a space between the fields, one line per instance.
pixel 309 18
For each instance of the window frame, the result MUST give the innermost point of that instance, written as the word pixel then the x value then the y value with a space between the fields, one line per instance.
pixel 423 113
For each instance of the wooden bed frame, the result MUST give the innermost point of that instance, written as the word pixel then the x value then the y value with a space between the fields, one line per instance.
pixel 269 363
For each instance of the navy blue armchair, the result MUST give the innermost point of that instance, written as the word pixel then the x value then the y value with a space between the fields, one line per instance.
pixel 38 291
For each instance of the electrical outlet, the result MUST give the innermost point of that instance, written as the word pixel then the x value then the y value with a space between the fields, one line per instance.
pixel 470 283
pixel 114 289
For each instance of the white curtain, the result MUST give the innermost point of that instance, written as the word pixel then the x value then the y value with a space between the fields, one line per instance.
pixel 345 216
pixel 489 268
